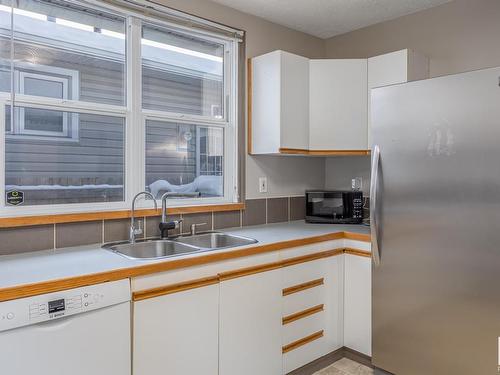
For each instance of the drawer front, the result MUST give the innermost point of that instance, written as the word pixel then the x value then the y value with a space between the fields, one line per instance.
pixel 305 325
pixel 305 299
pixel 312 347
pixel 304 272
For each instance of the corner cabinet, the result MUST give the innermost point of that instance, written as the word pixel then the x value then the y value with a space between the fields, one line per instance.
pixel 320 107
pixel 338 104
pixel 278 103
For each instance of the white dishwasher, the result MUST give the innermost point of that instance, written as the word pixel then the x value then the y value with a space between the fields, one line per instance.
pixel 83 331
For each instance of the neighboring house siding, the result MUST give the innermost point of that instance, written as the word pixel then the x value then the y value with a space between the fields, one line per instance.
pixel 96 156
pixel 164 161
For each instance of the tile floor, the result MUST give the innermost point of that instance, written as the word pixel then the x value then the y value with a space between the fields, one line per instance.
pixel 345 366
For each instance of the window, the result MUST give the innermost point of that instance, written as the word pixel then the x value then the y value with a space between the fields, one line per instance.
pixel 90 122
pixel 50 173
pixel 55 83
pixel 184 158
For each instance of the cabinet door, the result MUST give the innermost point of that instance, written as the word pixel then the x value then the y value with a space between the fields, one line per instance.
pixel 338 104
pixel 384 70
pixel 279 97
pixel 357 304
pixel 294 101
pixel 250 325
pixel 177 333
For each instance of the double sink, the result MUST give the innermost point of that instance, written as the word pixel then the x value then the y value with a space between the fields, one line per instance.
pixel 155 248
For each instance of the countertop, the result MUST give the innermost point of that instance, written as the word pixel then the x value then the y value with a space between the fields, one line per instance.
pixel 39 267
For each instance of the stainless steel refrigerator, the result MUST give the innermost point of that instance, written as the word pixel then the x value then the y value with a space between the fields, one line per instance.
pixel 436 225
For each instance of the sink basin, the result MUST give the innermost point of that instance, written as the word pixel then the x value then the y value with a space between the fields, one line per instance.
pixel 152 248
pixel 215 240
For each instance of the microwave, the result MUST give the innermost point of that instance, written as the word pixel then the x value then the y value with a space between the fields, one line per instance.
pixel 334 207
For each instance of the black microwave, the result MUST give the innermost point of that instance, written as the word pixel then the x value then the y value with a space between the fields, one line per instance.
pixel 334 207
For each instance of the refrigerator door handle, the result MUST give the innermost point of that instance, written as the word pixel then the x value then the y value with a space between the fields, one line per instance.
pixel 373 205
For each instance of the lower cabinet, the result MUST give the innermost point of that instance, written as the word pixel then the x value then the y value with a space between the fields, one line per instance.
pixel 259 320
pixel 250 325
pixel 312 311
pixel 357 300
pixel 177 333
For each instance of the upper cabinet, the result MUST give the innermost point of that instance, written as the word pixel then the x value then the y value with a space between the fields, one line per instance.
pixel 279 98
pixel 393 68
pixel 320 106
pixel 337 104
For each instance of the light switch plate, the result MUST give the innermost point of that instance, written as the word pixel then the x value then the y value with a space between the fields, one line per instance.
pixel 262 184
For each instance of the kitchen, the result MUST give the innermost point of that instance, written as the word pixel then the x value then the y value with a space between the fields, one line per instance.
pixel 248 187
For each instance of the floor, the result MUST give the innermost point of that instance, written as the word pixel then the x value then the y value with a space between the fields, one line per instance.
pixel 345 366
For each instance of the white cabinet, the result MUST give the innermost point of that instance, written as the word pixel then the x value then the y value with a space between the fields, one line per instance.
pixel 177 333
pixel 250 325
pixel 393 68
pixel 280 103
pixel 357 303
pixel 320 106
pixel 338 104
pixel 312 311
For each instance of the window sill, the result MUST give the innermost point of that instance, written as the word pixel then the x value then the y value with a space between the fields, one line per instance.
pixel 22 221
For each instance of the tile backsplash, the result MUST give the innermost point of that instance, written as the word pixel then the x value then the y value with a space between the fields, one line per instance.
pixel 44 237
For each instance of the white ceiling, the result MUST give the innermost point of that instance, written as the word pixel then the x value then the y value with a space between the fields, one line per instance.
pixel 327 18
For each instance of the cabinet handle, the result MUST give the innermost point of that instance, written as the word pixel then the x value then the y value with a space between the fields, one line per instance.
pixel 304 286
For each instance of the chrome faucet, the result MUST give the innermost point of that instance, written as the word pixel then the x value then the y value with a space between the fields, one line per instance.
pixel 133 230
pixel 165 225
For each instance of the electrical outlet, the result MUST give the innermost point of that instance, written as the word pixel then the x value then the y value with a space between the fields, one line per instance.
pixel 262 184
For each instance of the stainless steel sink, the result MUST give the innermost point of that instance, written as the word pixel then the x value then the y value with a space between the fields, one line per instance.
pixel 156 248
pixel 215 240
pixel 152 248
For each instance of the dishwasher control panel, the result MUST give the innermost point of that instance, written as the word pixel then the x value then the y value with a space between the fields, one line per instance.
pixel 45 307
pixel 62 306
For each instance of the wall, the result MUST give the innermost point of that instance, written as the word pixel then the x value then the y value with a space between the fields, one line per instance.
pixel 458 36
pixel 286 176
pixel 55 236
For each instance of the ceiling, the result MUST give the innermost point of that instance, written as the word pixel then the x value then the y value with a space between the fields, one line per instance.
pixel 327 18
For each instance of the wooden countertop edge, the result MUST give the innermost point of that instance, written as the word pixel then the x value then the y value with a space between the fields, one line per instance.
pixel 28 290
pixel 22 221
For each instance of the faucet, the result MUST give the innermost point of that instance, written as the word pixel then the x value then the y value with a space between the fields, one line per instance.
pixel 133 230
pixel 165 225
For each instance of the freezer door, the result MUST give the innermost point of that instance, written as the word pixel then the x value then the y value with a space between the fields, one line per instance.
pixel 95 342
pixel 436 291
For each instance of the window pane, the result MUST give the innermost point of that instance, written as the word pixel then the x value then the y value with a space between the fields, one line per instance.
pixel 79 51
pixel 44 87
pixel 86 167
pixel 43 120
pixel 5 46
pixel 182 73
pixel 175 162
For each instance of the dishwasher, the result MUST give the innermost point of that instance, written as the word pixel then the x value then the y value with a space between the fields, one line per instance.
pixel 82 331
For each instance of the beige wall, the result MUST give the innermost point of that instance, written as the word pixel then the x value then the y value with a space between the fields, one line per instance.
pixel 459 36
pixel 286 176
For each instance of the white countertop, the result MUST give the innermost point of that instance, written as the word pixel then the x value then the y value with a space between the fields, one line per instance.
pixel 40 266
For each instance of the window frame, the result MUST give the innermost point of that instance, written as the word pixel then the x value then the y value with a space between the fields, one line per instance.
pixel 53 74
pixel 133 113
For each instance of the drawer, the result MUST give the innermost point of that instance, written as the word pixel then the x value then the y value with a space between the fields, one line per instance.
pixel 303 326
pixel 312 347
pixel 304 299
pixel 304 272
